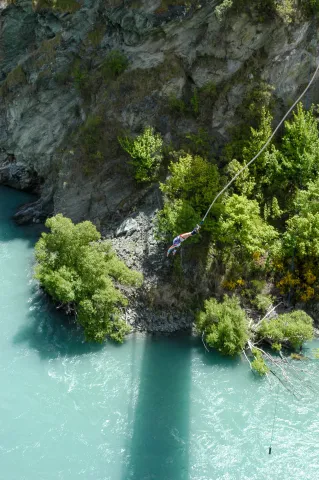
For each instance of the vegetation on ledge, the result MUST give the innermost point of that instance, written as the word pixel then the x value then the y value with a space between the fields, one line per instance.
pixel 224 326
pixel 81 273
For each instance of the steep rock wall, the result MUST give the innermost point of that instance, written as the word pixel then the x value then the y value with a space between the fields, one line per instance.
pixel 169 53
pixel 51 67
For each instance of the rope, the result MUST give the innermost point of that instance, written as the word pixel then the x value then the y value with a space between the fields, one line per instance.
pixel 264 147
pixel 273 423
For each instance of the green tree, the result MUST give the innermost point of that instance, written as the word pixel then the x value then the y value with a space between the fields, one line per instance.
pixel 257 140
pixel 293 328
pixel 224 325
pixel 77 270
pixel 146 153
pixel 176 217
pixel 194 179
pixel 244 183
pixel 189 190
pixel 299 160
pixel 301 239
pixel 241 225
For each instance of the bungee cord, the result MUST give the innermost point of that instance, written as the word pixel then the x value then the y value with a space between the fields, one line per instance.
pixel 264 147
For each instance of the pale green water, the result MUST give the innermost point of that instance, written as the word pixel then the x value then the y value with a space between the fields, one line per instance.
pixel 151 409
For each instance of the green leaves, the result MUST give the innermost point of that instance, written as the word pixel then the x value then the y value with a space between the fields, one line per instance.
pixel 146 153
pixel 224 325
pixel 114 65
pixel 194 179
pixel 258 364
pixel 73 268
pixel 294 328
pixel 176 217
pixel 189 190
pixel 242 224
pixel 299 160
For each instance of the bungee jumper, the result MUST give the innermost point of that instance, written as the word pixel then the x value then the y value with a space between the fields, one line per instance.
pixel 180 238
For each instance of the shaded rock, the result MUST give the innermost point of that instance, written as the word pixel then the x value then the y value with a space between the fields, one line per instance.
pixel 127 227
pixel 20 177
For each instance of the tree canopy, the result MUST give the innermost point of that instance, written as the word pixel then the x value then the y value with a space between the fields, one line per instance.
pixel 224 325
pixel 295 328
pixel 242 225
pixel 75 269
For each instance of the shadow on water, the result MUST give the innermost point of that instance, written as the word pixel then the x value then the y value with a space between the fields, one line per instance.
pixel 159 446
pixel 51 333
pixel 213 357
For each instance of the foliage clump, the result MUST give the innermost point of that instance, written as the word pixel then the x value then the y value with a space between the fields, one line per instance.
pixel 292 328
pixel 190 188
pixel 263 302
pixel 146 153
pixel 113 65
pixel 242 225
pixel 299 159
pixel 258 364
pixel 224 325
pixel 80 272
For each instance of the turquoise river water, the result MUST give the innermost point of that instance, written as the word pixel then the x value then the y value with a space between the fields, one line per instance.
pixel 151 409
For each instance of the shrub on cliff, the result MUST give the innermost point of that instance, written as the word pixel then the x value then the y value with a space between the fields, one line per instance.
pixel 78 271
pixel 241 225
pixel 189 190
pixel 292 328
pixel 146 153
pixel 224 325
pixel 114 64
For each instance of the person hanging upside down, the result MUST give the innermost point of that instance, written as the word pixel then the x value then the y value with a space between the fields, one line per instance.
pixel 180 238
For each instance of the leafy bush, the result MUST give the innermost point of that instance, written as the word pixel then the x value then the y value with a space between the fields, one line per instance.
pixel 189 190
pixel 294 328
pixel 244 183
pixel 299 160
pixel 224 325
pixel 302 236
pixel 114 64
pixel 193 179
pixel 176 217
pixel 198 143
pixel 258 364
pixel 146 153
pixel 263 302
pixel 177 105
pixel 73 268
pixel 221 10
pixel 242 224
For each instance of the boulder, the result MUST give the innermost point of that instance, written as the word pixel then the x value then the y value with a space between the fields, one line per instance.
pixel 127 227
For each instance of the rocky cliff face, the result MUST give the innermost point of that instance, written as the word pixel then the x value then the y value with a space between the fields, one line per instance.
pixel 55 87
